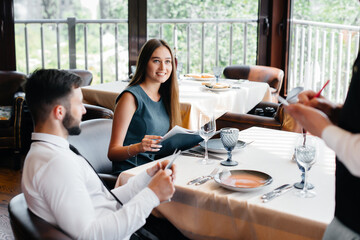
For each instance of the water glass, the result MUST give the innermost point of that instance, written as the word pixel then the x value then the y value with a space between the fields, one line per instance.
pixel 178 71
pixel 133 70
pixel 305 154
pixel 217 72
pixel 229 138
pixel 207 129
pixel 300 185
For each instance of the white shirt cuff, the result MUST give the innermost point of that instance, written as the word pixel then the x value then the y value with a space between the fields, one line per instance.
pixel 346 146
pixel 329 134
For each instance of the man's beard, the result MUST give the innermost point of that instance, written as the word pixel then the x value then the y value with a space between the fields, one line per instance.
pixel 68 121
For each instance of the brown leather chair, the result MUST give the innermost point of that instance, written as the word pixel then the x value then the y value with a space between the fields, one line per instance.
pixel 11 104
pixel 280 120
pixel 93 143
pixel 26 225
pixel 85 75
pixel 94 112
pixel 272 76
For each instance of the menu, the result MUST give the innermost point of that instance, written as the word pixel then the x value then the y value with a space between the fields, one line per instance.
pixel 179 138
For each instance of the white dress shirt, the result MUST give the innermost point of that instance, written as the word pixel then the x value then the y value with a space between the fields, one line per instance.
pixel 346 146
pixel 61 187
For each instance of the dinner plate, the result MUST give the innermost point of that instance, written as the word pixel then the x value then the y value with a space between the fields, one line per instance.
pixel 198 77
pixel 203 78
pixel 215 145
pixel 243 180
pixel 217 89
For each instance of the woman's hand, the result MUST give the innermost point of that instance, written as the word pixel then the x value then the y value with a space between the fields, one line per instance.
pixel 150 143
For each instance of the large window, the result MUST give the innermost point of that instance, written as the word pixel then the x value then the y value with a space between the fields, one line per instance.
pixel 324 43
pixel 207 33
pixel 86 34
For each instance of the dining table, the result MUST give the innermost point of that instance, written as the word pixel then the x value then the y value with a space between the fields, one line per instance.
pixel 209 211
pixel 240 97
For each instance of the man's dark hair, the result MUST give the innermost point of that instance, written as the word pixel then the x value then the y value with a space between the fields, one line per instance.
pixel 46 88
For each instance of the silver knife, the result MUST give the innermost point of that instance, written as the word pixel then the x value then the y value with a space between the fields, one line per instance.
pixel 203 179
pixel 278 193
pixel 202 154
pixel 192 154
pixel 278 189
pixel 207 178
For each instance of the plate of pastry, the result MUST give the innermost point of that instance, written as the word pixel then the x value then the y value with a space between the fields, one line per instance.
pixel 216 87
pixel 200 77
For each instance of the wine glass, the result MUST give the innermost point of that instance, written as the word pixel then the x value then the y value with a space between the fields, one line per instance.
pixel 305 154
pixel 217 72
pixel 207 128
pixel 300 185
pixel 133 70
pixel 178 71
pixel 229 138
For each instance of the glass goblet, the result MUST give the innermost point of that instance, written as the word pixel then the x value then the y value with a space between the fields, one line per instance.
pixel 229 138
pixel 179 68
pixel 305 154
pixel 217 72
pixel 300 185
pixel 207 129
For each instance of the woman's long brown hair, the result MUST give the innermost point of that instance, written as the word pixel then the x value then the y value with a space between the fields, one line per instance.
pixel 169 90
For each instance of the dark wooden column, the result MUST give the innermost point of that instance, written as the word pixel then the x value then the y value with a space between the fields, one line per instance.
pixel 7 36
pixel 264 33
pixel 137 28
pixel 273 43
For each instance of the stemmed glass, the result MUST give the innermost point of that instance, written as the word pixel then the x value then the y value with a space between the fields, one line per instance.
pixel 217 72
pixel 229 138
pixel 207 129
pixel 178 71
pixel 300 185
pixel 305 154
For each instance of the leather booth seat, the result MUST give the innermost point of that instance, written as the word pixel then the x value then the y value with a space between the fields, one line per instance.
pixel 11 113
pixel 280 120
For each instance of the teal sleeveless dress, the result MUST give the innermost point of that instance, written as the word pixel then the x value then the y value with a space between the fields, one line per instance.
pixel 150 118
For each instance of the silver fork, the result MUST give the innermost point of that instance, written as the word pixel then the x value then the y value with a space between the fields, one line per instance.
pixel 204 178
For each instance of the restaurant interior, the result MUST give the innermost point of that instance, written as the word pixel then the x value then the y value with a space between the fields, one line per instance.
pixel 209 210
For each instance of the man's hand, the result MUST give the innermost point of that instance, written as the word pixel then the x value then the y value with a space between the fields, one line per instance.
pixel 161 165
pixel 162 185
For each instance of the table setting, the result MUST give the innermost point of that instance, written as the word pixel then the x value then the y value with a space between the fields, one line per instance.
pixel 259 200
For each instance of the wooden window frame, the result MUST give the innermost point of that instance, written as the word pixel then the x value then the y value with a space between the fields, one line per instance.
pixel 273 33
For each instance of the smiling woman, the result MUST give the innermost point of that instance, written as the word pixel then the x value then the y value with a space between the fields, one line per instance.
pixel 146 109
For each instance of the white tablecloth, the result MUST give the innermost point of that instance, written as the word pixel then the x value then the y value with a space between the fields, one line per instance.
pixel 194 98
pixel 209 211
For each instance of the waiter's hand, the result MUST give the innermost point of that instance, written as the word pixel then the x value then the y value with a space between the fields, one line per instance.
pixel 310 118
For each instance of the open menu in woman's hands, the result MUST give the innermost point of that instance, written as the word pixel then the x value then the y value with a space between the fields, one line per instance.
pixel 179 138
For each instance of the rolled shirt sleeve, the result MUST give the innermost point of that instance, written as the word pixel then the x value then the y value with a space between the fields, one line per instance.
pixel 346 146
